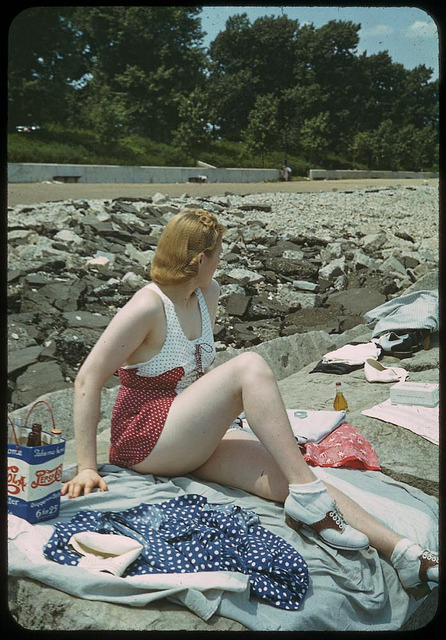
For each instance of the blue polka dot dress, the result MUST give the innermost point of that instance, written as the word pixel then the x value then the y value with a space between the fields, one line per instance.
pixel 187 534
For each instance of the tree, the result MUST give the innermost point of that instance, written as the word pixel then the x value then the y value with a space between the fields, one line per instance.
pixel 393 147
pixel 314 137
pixel 193 133
pixel 44 60
pixel 249 60
pixel 106 114
pixel 150 55
pixel 262 132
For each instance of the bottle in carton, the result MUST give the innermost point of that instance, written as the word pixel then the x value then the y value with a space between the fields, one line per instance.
pixel 35 435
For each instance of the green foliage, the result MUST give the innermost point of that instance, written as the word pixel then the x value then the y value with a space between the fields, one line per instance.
pixel 134 85
pixel 262 131
pixel 148 57
pixel 59 145
pixel 396 148
pixel 314 137
pixel 55 143
pixel 193 133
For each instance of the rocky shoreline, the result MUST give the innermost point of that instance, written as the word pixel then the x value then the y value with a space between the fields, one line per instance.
pixel 292 263
pixel 297 273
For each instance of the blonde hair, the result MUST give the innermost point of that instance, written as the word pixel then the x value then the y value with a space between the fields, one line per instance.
pixel 189 233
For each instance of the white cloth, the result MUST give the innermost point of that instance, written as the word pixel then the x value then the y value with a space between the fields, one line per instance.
pixel 424 421
pixel 105 551
pixel 353 353
pixel 310 426
pixel 200 592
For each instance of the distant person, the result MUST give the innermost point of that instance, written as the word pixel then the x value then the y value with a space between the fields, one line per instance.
pixel 284 174
pixel 173 416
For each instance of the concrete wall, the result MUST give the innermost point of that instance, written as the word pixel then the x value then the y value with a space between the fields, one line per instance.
pixel 33 172
pixel 351 174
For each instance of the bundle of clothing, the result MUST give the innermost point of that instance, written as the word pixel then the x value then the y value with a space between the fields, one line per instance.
pixel 401 327
pixel 326 439
pixel 184 535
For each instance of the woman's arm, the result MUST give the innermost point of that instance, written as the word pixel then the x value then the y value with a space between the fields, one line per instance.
pixel 126 332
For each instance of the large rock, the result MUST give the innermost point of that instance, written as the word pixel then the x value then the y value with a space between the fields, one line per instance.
pixel 36 380
pixel 311 319
pixel 356 301
pixel 402 455
pixel 287 354
pixel 237 304
pixel 19 359
pixel 243 276
pixel 38 607
pixel 61 403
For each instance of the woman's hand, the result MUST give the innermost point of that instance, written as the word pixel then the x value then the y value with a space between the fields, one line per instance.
pixel 85 481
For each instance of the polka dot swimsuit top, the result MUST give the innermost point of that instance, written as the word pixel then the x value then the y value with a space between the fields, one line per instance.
pixel 194 356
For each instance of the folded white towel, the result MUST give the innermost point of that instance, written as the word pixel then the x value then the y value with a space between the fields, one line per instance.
pixel 311 426
pixel 353 353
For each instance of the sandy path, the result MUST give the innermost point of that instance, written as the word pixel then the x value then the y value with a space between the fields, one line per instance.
pixel 29 193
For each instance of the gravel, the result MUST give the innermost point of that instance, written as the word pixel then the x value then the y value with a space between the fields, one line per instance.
pixel 410 210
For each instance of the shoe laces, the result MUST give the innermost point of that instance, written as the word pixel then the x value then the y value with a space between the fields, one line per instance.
pixel 430 555
pixel 337 516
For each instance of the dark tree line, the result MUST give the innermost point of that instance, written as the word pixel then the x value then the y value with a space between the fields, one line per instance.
pixel 269 84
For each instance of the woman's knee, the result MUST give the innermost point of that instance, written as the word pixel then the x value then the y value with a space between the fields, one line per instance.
pixel 252 365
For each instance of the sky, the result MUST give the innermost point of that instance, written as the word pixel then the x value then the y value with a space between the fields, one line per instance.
pixel 409 34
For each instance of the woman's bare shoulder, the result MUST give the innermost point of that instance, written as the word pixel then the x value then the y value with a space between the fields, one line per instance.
pixel 212 291
pixel 145 301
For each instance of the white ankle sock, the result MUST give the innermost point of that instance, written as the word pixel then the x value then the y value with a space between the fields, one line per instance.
pixel 310 487
pixel 313 496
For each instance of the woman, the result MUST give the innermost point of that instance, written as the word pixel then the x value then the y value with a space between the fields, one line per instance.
pixel 172 417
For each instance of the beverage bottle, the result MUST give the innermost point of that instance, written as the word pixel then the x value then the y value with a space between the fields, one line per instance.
pixel 340 403
pixel 35 436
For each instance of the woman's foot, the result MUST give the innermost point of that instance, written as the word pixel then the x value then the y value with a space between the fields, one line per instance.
pixel 311 505
pixel 415 566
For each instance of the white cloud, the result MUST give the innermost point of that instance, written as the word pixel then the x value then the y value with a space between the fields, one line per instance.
pixel 420 29
pixel 378 30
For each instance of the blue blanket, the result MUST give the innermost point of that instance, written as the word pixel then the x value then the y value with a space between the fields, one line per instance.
pixel 347 591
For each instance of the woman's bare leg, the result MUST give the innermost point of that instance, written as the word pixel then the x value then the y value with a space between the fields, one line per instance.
pixel 191 440
pixel 241 461
pixel 201 414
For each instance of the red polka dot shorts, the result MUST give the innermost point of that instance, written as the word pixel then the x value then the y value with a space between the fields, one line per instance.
pixel 139 414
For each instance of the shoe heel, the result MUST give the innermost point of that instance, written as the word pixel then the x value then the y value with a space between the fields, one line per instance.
pixel 293 524
pixel 420 591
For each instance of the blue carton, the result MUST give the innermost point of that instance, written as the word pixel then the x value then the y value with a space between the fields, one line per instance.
pixel 34 477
